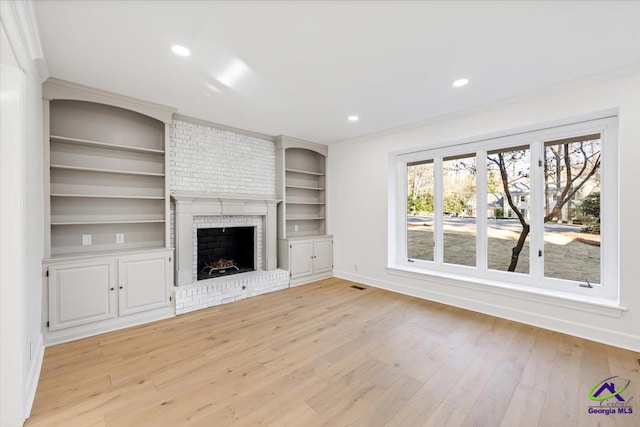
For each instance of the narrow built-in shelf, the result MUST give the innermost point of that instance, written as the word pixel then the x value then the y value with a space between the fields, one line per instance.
pixel 86 142
pixel 305 172
pixel 304 203
pixel 140 221
pixel 300 235
pixel 305 218
pixel 305 188
pixel 112 171
pixel 89 251
pixel 107 196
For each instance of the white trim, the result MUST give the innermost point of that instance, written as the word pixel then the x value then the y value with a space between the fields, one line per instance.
pixel 25 16
pixel 34 375
pixel 587 331
pixel 91 329
pixel 21 25
pixel 566 300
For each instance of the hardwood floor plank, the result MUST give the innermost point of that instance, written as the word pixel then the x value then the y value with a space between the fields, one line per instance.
pixel 525 407
pixel 389 403
pixel 561 402
pixel 446 416
pixel 325 354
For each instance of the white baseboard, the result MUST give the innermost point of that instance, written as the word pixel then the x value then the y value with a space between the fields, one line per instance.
pixel 34 376
pixel 310 279
pixel 83 331
pixel 587 331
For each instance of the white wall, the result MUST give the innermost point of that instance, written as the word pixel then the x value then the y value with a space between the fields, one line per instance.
pixel 358 198
pixel 27 198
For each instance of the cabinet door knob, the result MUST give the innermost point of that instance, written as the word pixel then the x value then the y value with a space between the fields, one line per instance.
pixel 121 287
pixel 112 288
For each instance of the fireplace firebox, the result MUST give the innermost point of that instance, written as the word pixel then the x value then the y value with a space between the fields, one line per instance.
pixel 225 250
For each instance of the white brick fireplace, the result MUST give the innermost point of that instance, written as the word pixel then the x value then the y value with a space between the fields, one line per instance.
pixel 189 208
pixel 219 177
pixel 192 205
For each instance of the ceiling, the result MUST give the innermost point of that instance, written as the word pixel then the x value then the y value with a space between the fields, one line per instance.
pixel 301 68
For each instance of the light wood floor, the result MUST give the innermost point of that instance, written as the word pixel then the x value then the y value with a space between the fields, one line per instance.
pixel 328 354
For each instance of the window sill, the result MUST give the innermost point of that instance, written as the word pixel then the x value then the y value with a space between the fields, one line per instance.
pixel 560 299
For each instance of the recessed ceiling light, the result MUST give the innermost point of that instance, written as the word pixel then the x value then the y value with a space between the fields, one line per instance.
pixel 180 50
pixel 460 82
pixel 353 118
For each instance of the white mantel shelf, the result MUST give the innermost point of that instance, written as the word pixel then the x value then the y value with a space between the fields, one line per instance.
pixel 224 204
pixel 188 205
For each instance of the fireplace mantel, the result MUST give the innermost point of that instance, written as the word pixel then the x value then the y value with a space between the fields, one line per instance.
pixel 188 205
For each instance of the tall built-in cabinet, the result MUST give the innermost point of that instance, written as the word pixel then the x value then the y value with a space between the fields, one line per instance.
pixel 304 247
pixel 107 262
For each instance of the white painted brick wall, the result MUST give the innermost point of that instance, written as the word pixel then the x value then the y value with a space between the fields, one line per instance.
pixel 224 290
pixel 209 160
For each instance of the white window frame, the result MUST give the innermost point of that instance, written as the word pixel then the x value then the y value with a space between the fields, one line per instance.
pixel 605 123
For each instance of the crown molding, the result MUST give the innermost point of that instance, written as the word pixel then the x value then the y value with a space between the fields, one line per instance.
pixel 21 24
pixel 26 16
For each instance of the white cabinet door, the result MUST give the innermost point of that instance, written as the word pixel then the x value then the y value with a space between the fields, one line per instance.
pixel 322 255
pixel 142 282
pixel 81 293
pixel 301 253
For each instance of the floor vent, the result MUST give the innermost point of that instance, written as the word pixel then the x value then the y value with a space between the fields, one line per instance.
pixel 360 288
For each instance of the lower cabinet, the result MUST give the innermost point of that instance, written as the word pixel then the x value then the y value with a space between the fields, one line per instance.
pixel 142 283
pixel 108 289
pixel 81 293
pixel 306 259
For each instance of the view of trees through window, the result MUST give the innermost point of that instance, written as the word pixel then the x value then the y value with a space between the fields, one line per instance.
pixel 571 209
pixel 508 198
pixel 458 206
pixel 572 205
pixel 420 192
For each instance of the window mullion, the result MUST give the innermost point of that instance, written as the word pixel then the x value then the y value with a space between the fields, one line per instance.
pixel 536 233
pixel 437 214
pixel 401 212
pixel 481 210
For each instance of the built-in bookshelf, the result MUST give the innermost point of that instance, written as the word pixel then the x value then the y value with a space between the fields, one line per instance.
pixel 303 182
pixel 107 183
pixel 304 248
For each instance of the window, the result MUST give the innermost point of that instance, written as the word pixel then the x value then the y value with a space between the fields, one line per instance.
pixel 535 209
pixel 420 210
pixel 459 234
pixel 508 173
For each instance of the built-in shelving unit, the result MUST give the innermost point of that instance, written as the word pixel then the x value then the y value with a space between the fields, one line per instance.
pixel 304 248
pixel 106 178
pixel 107 258
pixel 304 196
